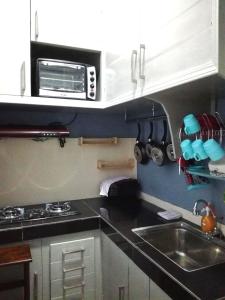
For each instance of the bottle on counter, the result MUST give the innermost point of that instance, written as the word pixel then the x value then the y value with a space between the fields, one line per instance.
pixel 208 221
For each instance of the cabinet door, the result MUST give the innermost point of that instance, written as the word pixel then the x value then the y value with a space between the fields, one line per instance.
pixel 139 283
pixel 67 22
pixel 157 293
pixel 178 39
pixel 15 47
pixel 115 271
pixel 121 31
pixel 66 270
pixel 72 272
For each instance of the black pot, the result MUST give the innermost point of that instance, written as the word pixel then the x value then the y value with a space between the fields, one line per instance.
pixel 159 155
pixel 150 144
pixel 139 149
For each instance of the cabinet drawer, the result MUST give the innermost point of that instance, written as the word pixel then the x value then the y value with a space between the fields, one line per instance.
pixel 57 249
pixel 88 295
pixel 56 268
pixel 57 285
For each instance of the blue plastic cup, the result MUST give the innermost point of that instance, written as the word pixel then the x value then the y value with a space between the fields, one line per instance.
pixel 187 151
pixel 191 124
pixel 213 150
pixel 199 151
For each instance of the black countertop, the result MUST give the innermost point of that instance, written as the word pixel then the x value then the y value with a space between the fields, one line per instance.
pixel 119 217
pixel 116 218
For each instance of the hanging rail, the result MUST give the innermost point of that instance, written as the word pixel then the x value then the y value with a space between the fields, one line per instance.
pixel 98 141
pixel 116 164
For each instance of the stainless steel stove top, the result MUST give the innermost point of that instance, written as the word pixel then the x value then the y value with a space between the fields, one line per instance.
pixel 36 212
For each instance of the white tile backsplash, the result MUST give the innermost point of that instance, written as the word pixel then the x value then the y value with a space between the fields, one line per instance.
pixel 40 172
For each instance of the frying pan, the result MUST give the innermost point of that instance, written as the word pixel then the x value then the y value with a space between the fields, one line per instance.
pixel 159 151
pixel 150 144
pixel 169 152
pixel 139 148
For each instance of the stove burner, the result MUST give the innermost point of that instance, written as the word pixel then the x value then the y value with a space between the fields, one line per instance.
pixel 12 213
pixel 58 207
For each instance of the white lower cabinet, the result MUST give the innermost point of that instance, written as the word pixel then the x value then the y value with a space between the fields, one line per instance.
pixel 156 293
pixel 122 279
pixel 115 271
pixel 138 283
pixel 81 266
pixel 72 267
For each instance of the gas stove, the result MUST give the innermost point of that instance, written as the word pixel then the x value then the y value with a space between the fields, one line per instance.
pixel 36 212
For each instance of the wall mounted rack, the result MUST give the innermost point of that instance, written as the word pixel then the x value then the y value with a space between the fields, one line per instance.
pixel 98 141
pixel 116 164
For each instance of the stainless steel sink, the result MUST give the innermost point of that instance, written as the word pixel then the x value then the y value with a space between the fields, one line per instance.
pixel 185 245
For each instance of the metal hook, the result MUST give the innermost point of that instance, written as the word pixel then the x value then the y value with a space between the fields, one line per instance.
pixel 217 116
pixel 180 132
pixel 153 109
pixel 206 124
pixel 62 141
pixel 209 122
pixel 221 120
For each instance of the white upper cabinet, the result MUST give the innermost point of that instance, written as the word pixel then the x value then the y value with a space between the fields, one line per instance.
pixel 176 41
pixel 67 22
pixel 15 48
pixel 121 32
pixel 179 42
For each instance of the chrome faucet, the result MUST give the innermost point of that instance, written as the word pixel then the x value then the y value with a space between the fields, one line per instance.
pixel 197 211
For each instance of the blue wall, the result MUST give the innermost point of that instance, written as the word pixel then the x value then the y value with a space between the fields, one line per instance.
pixel 162 182
pixel 96 124
pixel 165 182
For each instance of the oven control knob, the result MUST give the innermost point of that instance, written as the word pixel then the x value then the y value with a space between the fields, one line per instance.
pixel 92 86
pixel 92 72
pixel 92 79
pixel 92 94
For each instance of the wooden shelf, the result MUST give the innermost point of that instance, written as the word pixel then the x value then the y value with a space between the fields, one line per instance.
pixel 115 164
pixel 98 141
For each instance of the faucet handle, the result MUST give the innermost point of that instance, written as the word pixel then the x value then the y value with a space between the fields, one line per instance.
pixel 196 211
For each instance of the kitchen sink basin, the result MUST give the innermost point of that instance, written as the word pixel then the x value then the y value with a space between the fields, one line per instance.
pixel 183 244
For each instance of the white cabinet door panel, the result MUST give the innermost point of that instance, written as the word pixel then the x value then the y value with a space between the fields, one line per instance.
pixel 67 22
pixel 56 268
pixel 57 248
pixel 179 41
pixel 156 293
pixel 57 286
pixel 121 32
pixel 139 283
pixel 15 48
pixel 115 271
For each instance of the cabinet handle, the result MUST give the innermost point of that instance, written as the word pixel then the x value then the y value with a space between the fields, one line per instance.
pixel 36 26
pixel 23 78
pixel 133 65
pixel 35 290
pixel 142 62
pixel 121 292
